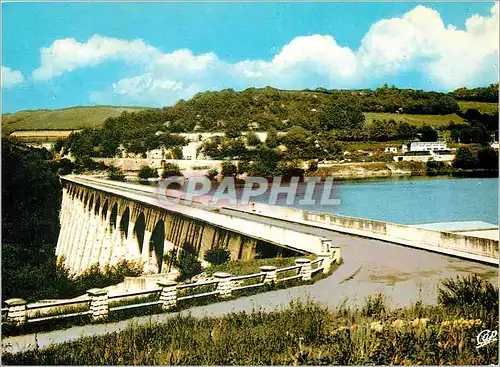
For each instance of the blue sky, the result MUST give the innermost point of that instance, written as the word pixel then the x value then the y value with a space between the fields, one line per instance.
pixel 152 54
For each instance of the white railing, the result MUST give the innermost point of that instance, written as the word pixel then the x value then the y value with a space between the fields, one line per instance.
pixel 97 303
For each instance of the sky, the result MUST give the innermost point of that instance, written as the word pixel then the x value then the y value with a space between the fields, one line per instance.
pixel 57 55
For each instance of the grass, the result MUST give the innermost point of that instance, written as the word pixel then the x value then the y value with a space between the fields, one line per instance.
pixel 417 120
pixel 302 333
pixel 483 107
pixel 64 119
pixel 250 267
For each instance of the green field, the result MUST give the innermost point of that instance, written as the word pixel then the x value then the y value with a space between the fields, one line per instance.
pixel 65 119
pixel 418 120
pixel 483 107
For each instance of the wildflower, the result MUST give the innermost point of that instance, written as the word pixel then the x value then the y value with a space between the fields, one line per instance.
pixel 353 328
pixel 396 324
pixel 377 326
pixel 477 322
pixel 419 322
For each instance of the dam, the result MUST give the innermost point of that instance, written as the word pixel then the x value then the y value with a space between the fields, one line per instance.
pixel 105 221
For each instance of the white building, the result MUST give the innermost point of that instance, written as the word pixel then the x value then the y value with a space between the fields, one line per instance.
pixel 390 150
pixel 427 146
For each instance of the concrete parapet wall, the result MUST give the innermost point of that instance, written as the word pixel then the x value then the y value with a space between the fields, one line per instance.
pixel 456 244
pixel 486 249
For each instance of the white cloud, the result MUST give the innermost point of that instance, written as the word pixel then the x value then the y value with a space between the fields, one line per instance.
pixel 68 54
pixel 11 77
pixel 417 41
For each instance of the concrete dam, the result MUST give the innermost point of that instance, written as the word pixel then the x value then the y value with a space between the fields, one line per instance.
pixel 103 222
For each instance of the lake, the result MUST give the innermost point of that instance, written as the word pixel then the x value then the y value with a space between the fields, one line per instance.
pixel 410 200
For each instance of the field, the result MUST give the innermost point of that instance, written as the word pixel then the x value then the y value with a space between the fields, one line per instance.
pixel 73 118
pixel 417 120
pixel 483 107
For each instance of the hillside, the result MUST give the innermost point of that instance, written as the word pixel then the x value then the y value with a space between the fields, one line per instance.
pixel 72 118
pixel 416 120
pixel 483 107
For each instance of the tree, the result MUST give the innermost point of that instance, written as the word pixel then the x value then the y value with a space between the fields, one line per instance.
pixel 147 172
pixel 406 131
pixel 272 139
pixel 228 169
pixel 464 158
pixel 383 130
pixel 341 114
pixel 31 196
pixel 487 158
pixel 252 139
pixel 186 262
pixel 65 166
pixel 243 167
pixel 427 133
pixel 116 174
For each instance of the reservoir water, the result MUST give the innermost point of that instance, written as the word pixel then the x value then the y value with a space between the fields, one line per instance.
pixel 409 200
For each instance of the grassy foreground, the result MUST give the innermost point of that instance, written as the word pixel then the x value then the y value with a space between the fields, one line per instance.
pixel 303 333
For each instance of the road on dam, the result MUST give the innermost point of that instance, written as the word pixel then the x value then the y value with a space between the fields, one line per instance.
pixel 403 274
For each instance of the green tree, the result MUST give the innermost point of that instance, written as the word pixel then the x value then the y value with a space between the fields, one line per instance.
pixel 252 139
pixel 427 133
pixel 272 139
pixel 487 158
pixel 341 114
pixel 186 261
pixel 228 169
pixel 406 131
pixel 464 158
pixel 383 130
pixel 31 195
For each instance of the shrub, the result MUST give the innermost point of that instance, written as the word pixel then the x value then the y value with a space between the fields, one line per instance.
pixel 252 139
pixel 228 169
pixel 469 293
pixel 147 172
pixel 186 262
pixel 212 174
pixel 217 256
pixel 116 174
pixel 170 170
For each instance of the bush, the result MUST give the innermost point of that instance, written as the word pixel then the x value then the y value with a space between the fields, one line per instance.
pixel 212 174
pixel 186 262
pixel 468 294
pixel 252 139
pixel 170 170
pixel 217 256
pixel 147 172
pixel 228 169
pixel 116 174
pixel 434 168
pixel 464 159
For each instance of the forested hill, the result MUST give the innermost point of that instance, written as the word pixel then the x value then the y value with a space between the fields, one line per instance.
pixel 261 109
